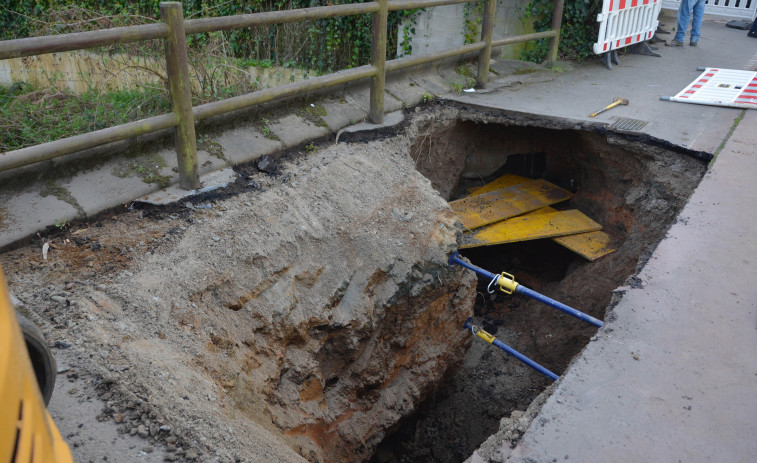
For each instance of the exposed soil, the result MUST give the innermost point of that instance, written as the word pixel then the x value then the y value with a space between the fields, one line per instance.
pixel 633 188
pixel 312 312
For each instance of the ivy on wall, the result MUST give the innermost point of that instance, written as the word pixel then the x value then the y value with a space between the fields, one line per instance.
pixel 578 32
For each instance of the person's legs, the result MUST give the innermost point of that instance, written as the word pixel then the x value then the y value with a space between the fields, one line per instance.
pixel 696 23
pixel 684 12
pixel 753 31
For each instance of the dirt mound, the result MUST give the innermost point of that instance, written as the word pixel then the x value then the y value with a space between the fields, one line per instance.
pixel 304 319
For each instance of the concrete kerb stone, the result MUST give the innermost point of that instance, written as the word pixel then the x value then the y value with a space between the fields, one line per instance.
pixel 360 96
pixel 25 213
pixel 246 144
pixel 341 113
pixel 405 90
pixel 98 190
pixel 293 130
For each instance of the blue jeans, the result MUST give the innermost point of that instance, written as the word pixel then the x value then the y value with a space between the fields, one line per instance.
pixel 684 11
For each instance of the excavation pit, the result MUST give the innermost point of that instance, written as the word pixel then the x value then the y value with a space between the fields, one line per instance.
pixel 632 186
pixel 315 309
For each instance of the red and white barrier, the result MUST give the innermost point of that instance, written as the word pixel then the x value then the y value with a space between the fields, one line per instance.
pixel 742 9
pixel 626 22
pixel 721 87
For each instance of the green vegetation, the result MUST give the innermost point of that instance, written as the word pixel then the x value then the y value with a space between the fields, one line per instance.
pixel 30 116
pixel 146 167
pixel 579 29
pixel 427 97
pixel 314 114
pixel 324 44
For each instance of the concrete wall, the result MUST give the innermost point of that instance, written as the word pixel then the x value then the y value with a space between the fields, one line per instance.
pixel 443 27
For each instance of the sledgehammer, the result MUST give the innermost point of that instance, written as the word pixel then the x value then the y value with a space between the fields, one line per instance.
pixel 618 101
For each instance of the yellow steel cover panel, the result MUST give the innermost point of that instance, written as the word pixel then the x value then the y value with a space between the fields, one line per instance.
pixel 531 227
pixel 505 181
pixel 592 245
pixel 479 210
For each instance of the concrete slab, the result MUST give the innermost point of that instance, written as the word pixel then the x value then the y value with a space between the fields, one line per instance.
pixel 671 375
pixel 245 144
pixel 294 130
pixel 361 98
pixel 340 114
pixel 210 182
pixel 433 84
pixel 23 213
pixel 98 189
pixel 405 90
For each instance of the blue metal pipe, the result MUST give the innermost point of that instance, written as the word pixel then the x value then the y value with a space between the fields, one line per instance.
pixel 455 259
pixel 510 351
pixel 557 305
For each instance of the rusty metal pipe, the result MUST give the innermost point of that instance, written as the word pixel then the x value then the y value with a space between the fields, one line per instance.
pixel 80 40
pixel 37 153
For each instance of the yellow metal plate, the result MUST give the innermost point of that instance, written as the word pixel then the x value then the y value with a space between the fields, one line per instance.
pixel 531 227
pixel 505 181
pixel 592 245
pixel 483 209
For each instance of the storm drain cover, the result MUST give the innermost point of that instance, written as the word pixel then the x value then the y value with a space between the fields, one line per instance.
pixel 627 124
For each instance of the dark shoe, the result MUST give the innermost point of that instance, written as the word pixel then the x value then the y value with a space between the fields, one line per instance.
pixel 692 44
pixel 674 43
pixel 751 34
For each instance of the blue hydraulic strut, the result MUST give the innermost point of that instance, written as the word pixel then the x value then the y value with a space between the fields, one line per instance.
pixel 492 340
pixel 509 286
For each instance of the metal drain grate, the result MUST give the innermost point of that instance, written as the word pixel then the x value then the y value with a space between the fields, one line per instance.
pixel 631 125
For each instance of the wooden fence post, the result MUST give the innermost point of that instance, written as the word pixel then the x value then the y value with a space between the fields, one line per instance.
pixel 378 60
pixel 485 55
pixel 554 42
pixel 180 94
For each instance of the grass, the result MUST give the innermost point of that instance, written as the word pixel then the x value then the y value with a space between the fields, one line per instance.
pixel 30 116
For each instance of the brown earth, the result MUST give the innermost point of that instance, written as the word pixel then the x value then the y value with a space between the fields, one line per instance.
pixel 314 312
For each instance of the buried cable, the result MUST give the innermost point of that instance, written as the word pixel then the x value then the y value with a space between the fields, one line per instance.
pixel 509 350
pixel 507 284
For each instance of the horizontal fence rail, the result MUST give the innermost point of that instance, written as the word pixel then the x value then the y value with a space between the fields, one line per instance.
pixel 173 30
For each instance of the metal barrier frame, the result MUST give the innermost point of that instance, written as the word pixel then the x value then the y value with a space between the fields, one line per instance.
pixel 173 30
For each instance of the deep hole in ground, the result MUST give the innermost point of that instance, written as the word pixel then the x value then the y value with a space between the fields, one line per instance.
pixel 634 189
pixel 312 312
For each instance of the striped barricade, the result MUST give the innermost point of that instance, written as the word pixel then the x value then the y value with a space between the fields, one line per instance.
pixel 626 22
pixel 742 9
pixel 721 87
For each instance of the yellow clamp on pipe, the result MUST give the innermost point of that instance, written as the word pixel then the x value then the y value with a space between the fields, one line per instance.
pixel 485 336
pixel 507 285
